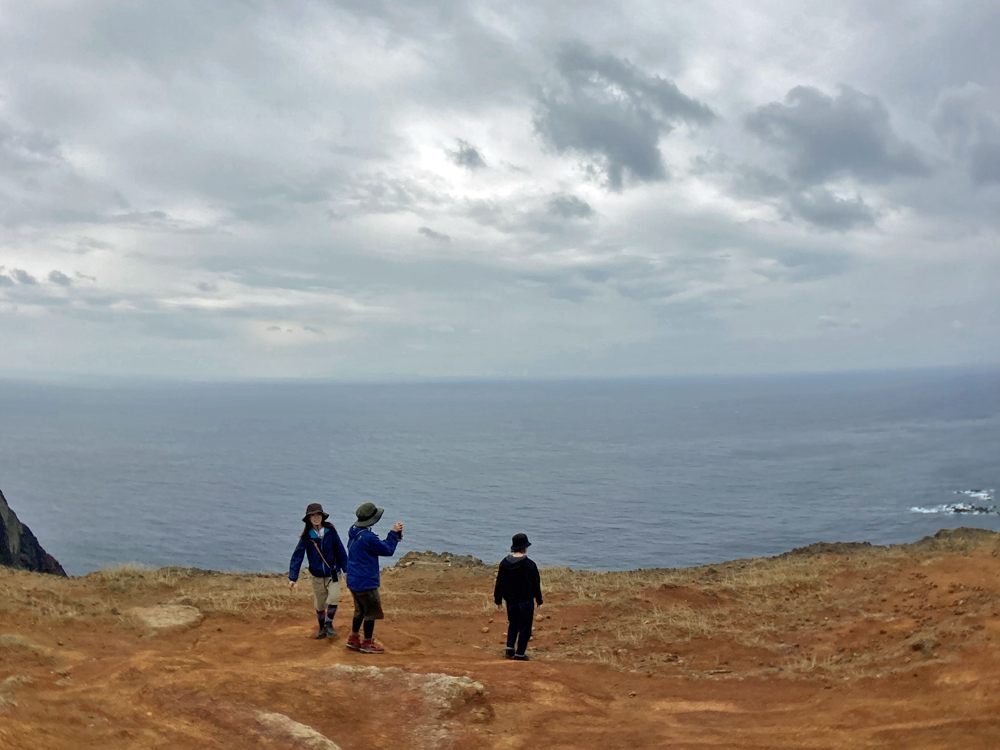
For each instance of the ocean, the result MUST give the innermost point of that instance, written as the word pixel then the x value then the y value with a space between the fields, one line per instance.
pixel 601 474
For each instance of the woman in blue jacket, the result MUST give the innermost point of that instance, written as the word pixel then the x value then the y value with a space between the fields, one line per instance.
pixel 321 544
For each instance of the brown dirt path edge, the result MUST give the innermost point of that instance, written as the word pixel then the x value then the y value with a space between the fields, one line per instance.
pixel 832 648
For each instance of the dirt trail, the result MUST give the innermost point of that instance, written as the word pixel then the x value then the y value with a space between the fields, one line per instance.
pixel 851 648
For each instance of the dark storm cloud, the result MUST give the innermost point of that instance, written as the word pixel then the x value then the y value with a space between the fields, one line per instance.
pixel 58 277
pixel 609 110
pixel 570 207
pixel 822 208
pixel 432 235
pixel 825 137
pixel 466 155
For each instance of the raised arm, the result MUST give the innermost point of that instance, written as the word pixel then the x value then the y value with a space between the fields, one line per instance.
pixel 384 547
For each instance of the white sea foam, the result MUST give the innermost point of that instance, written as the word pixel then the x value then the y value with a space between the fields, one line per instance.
pixel 986 495
pixel 932 509
pixel 978 507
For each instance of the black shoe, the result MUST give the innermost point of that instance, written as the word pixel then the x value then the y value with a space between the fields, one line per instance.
pixel 520 657
pixel 508 653
pixel 321 633
pixel 330 630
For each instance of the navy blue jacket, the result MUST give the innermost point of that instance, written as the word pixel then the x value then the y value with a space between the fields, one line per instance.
pixel 365 548
pixel 332 548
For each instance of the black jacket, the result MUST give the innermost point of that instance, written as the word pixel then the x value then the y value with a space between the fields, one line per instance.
pixel 517 581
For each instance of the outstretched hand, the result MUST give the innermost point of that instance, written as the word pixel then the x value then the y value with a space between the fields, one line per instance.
pixel 398 527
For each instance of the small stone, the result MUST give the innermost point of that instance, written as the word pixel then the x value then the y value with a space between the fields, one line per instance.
pixel 485 629
pixel 632 694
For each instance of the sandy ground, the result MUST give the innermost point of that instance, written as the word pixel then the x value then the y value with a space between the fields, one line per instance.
pixel 828 647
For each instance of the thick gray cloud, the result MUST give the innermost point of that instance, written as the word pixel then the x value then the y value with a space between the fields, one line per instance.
pixel 25 150
pixel 247 190
pixel 570 207
pixel 985 159
pixel 432 235
pixel 817 205
pixel 609 110
pixel 825 137
pixel 23 277
pixel 466 155
pixel 821 207
pixel 968 118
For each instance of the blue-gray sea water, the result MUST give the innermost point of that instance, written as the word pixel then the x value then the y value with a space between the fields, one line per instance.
pixel 600 474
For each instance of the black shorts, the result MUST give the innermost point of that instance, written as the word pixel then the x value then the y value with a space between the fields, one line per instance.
pixel 368 604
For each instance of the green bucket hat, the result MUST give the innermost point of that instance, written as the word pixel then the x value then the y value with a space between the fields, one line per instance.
pixel 368 515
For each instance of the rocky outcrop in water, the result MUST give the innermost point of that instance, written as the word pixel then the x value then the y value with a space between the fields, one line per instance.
pixel 18 546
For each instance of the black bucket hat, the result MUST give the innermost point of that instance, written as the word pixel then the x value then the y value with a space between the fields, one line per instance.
pixel 368 515
pixel 519 543
pixel 314 508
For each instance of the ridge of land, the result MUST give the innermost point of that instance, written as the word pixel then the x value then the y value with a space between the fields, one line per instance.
pixel 829 646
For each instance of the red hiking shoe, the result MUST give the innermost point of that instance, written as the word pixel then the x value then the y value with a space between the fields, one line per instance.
pixel 370 647
pixel 353 642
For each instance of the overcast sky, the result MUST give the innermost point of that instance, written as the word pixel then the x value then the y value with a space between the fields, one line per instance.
pixel 366 189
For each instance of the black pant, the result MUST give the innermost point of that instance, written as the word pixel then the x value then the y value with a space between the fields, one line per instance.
pixel 519 618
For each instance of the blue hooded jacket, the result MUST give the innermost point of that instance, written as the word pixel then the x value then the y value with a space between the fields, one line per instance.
pixel 365 548
pixel 332 548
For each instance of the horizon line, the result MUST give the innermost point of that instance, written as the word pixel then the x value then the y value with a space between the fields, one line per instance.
pixel 98 379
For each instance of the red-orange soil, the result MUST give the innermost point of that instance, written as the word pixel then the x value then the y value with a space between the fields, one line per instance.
pixel 829 647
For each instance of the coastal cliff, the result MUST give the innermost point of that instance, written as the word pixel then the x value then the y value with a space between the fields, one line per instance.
pixel 830 646
pixel 19 548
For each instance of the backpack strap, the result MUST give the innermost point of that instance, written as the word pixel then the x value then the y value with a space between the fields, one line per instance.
pixel 333 571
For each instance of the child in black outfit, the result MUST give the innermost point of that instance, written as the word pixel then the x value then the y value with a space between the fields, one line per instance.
pixel 518 584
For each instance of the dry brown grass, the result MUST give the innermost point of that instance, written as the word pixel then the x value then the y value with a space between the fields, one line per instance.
pixel 209 591
pixel 765 609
